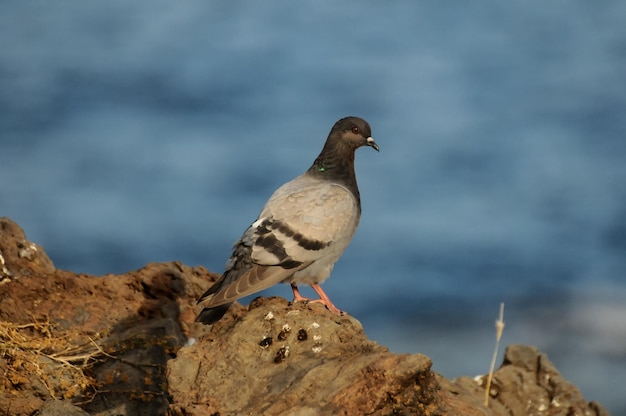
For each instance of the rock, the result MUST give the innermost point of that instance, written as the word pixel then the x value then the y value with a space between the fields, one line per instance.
pixel 18 256
pixel 301 359
pixel 60 408
pixel 128 345
pixel 295 359
pixel 100 341
pixel 528 383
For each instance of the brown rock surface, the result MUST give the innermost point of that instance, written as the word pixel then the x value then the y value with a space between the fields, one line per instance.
pixel 299 360
pixel 122 345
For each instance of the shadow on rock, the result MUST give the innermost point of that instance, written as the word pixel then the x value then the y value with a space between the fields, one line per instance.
pixel 132 380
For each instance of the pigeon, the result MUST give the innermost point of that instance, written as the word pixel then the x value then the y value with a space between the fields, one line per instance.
pixel 302 230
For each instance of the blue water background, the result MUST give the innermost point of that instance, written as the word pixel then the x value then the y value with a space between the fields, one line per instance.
pixel 133 132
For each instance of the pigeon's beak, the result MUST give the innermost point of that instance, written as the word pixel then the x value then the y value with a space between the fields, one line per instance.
pixel 371 143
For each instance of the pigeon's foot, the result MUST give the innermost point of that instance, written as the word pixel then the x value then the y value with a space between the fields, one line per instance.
pixel 329 306
pixel 297 297
pixel 324 300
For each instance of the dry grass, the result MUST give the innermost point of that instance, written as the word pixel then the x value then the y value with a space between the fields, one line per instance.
pixel 37 355
pixel 499 329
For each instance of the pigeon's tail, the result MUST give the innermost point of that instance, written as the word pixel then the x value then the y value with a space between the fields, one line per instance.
pixel 210 316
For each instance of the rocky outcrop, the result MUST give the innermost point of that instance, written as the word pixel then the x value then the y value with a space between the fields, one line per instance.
pixel 128 345
pixel 299 360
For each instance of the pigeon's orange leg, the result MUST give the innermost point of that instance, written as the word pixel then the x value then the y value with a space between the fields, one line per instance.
pixel 324 300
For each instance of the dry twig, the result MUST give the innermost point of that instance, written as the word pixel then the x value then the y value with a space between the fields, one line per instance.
pixel 499 329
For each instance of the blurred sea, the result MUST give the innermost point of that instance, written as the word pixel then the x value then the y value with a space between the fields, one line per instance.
pixel 133 132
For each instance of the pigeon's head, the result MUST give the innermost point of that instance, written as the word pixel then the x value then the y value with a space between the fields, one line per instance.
pixel 353 132
pixel 336 161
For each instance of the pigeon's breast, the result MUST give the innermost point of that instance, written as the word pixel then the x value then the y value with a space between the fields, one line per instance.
pixel 318 221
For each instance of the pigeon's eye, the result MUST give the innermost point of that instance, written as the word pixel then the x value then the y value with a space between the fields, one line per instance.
pixel 355 130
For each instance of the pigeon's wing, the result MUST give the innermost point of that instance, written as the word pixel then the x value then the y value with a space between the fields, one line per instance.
pixel 302 223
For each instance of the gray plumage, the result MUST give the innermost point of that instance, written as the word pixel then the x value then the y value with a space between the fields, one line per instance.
pixel 303 229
